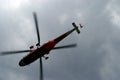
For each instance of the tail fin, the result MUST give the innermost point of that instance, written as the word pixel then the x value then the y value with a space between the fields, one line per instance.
pixel 76 27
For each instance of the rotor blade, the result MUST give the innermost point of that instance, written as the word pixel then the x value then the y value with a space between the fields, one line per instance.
pixel 38 36
pixel 65 46
pixel 41 69
pixel 36 25
pixel 14 52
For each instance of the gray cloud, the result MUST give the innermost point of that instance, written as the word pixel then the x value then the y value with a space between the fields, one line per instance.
pixel 97 54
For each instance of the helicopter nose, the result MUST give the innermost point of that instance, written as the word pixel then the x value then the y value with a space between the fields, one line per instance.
pixel 21 63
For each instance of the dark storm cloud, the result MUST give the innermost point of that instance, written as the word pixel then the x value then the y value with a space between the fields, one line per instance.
pixel 95 58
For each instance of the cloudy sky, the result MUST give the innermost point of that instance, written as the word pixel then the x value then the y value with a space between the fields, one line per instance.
pixel 97 55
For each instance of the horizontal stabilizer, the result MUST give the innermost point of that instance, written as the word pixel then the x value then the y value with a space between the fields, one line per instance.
pixel 76 27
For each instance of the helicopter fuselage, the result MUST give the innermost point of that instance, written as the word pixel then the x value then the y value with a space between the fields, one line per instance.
pixel 37 53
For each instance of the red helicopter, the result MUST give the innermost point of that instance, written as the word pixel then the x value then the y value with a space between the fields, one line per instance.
pixel 44 49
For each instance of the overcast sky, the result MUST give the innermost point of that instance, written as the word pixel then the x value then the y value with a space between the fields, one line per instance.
pixel 97 55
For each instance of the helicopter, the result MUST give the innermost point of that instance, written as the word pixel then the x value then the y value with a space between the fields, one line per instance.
pixel 44 49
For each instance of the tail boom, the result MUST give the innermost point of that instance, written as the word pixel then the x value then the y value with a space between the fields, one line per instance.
pixel 61 37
